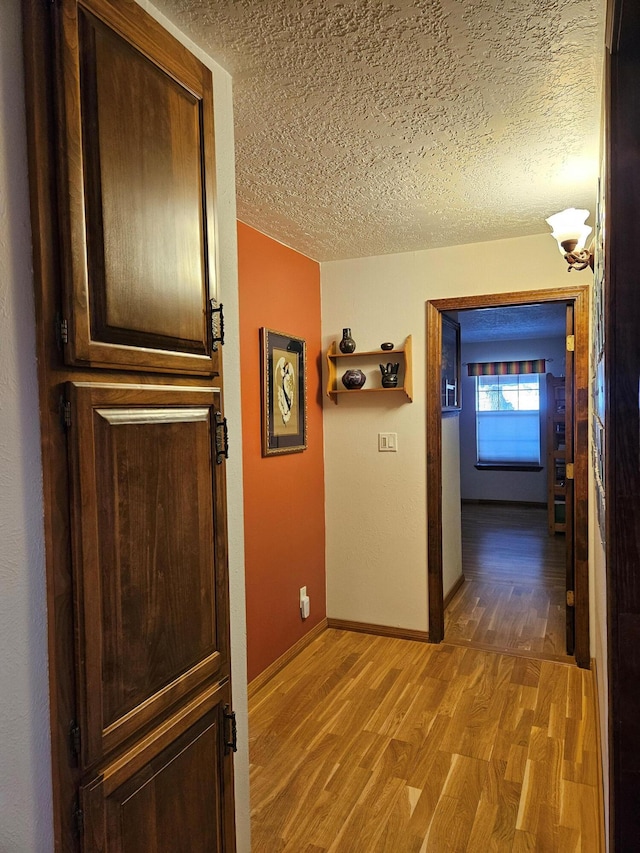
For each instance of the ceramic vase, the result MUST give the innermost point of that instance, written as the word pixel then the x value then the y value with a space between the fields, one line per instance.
pixel 347 344
pixel 353 379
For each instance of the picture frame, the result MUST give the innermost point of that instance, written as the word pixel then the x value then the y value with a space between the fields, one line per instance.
pixel 284 393
pixel 450 366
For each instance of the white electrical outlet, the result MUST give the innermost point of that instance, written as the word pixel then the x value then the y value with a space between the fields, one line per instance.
pixel 388 442
pixel 305 607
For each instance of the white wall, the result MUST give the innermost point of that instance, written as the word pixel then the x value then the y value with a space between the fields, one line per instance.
pixel 504 485
pixel 25 781
pixel 376 502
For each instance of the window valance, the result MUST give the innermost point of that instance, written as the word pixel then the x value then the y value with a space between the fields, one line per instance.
pixel 506 368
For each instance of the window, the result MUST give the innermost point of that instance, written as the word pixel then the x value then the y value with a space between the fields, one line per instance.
pixel 508 419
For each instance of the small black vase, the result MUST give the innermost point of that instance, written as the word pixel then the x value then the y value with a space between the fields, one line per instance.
pixel 390 375
pixel 347 344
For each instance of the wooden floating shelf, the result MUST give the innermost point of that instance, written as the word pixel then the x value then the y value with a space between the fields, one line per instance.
pixel 334 355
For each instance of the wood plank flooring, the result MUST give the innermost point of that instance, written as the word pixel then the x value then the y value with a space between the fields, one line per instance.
pixel 513 598
pixel 368 744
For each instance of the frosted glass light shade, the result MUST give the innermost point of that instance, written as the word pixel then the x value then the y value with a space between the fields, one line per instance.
pixel 570 225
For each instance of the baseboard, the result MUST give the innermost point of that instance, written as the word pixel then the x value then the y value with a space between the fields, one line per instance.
pixel 482 501
pixel 601 815
pixel 274 668
pixel 379 630
pixel 450 595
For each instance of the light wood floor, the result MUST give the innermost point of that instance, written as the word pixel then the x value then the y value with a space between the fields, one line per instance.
pixel 369 744
pixel 513 598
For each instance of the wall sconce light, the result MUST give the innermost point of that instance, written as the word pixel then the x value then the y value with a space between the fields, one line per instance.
pixel 571 232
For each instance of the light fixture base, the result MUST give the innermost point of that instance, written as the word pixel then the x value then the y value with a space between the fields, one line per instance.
pixel 578 260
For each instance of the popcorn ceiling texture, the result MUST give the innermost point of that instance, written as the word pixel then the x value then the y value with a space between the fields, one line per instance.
pixel 366 128
pixel 523 322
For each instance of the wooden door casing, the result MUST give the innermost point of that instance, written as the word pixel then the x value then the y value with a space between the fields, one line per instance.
pixel 137 192
pixel 578 296
pixel 149 565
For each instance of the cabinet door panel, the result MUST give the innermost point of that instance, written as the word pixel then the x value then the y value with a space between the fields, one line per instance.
pixel 170 799
pixel 149 554
pixel 138 167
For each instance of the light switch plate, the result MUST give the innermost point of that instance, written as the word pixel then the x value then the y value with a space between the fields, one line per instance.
pixel 388 442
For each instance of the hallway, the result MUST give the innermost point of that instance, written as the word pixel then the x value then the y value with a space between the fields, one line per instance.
pixel 514 590
pixel 366 744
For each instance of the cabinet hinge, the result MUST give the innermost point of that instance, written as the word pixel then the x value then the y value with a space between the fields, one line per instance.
pixel 222 439
pixel 65 413
pixel 571 598
pixel 74 738
pixel 217 325
pixel 569 471
pixel 62 331
pixel 571 343
pixel 231 738
pixel 78 819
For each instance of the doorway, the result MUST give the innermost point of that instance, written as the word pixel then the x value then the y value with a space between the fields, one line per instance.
pixel 510 565
pixel 575 298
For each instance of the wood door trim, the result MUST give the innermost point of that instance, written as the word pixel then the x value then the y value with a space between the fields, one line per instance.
pixel 622 453
pixel 578 294
pixel 434 474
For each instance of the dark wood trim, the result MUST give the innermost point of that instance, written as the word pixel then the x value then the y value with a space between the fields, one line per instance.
pixel 600 788
pixel 274 668
pixel 434 474
pixel 452 592
pixel 582 461
pixel 579 295
pixel 622 421
pixel 379 630
pixel 43 191
pixel 504 300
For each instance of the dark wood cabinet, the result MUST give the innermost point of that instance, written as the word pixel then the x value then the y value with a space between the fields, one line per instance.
pixel 149 554
pixel 169 798
pixel 136 192
pixel 133 433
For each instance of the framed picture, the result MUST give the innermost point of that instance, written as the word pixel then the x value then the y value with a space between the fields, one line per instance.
pixel 284 393
pixel 450 365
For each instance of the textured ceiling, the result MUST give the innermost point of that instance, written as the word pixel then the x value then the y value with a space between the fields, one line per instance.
pixel 372 127
pixel 546 320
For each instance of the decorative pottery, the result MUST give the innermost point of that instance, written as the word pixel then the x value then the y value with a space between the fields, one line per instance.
pixel 386 345
pixel 353 379
pixel 347 344
pixel 390 374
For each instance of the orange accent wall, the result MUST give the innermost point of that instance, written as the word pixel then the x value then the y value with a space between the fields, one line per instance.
pixel 283 495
